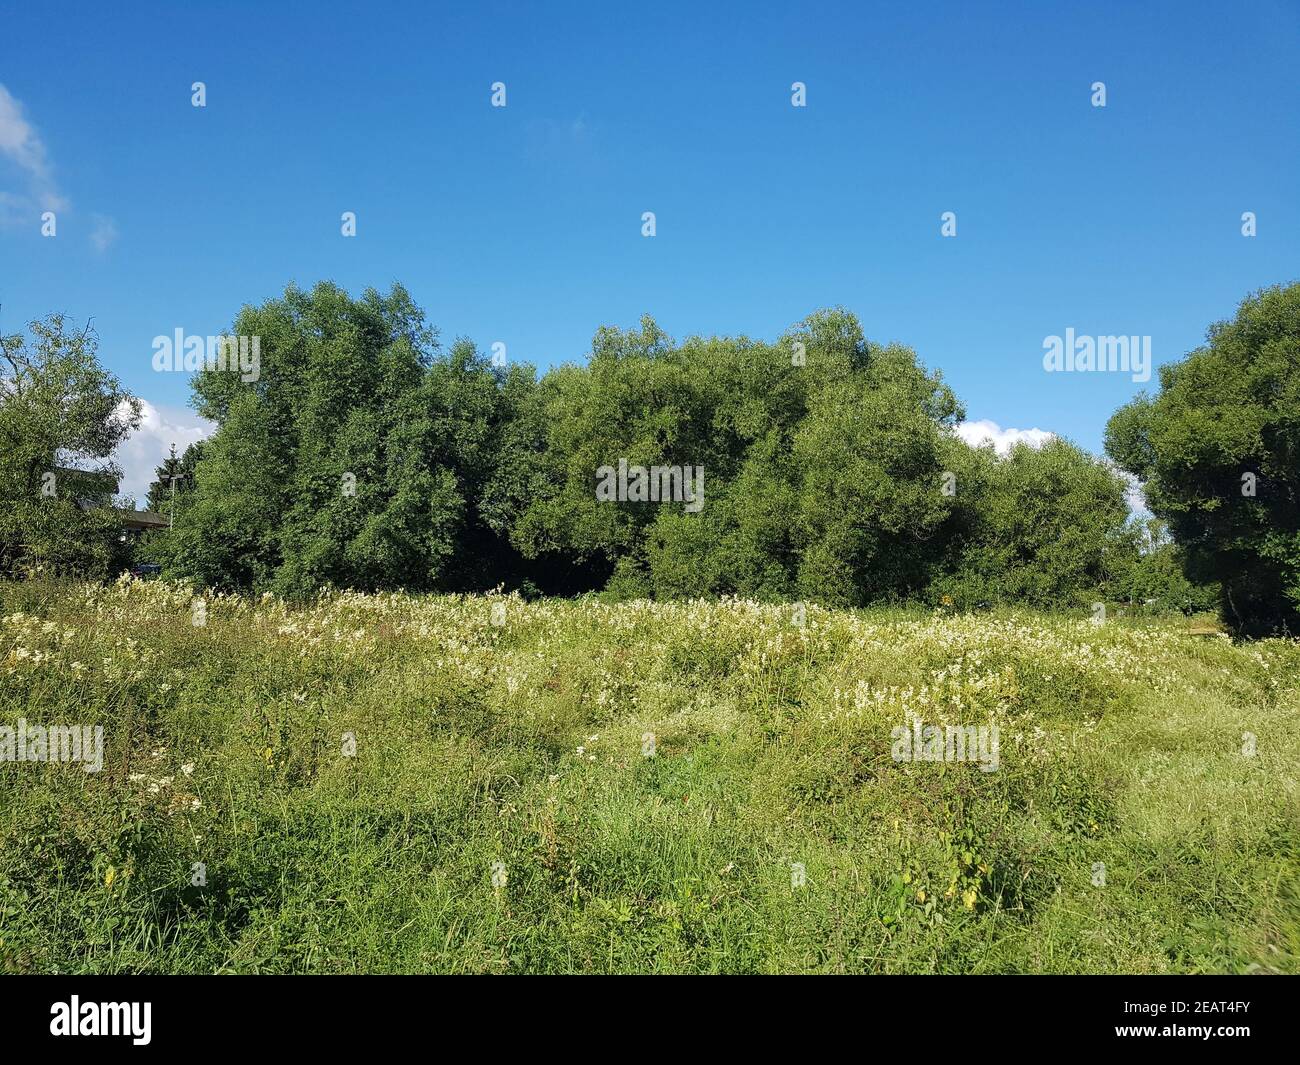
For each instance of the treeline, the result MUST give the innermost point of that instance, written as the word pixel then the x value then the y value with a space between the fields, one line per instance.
pixel 363 454
pixel 366 456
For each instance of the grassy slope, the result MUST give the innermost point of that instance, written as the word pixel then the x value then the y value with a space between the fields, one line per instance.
pixel 1120 744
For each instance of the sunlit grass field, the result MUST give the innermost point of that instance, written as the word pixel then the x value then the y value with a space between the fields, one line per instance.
pixel 577 787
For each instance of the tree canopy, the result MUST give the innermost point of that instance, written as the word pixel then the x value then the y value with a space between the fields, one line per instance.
pixel 61 417
pixel 367 456
pixel 364 454
pixel 1218 453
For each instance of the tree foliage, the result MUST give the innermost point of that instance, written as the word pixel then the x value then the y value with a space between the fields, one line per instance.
pixel 354 460
pixel 824 459
pixel 363 454
pixel 1218 453
pixel 61 417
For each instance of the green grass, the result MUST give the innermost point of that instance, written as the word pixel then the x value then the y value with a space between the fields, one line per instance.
pixel 1120 744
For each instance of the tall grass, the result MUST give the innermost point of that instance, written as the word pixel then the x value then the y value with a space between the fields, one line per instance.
pixel 694 787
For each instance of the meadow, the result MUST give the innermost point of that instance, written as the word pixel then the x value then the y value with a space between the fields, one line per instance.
pixel 393 783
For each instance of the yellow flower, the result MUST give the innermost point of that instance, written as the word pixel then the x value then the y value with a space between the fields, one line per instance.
pixel 968 897
pixel 110 876
pixel 920 896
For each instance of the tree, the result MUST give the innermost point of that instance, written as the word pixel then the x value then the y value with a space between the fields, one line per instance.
pixel 352 460
pixel 1218 453
pixel 61 417
pixel 868 462
pixel 1045 526
pixel 173 479
pixel 1156 579
pixel 820 455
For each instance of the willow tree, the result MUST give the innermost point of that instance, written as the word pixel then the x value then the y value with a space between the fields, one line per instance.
pixel 1218 453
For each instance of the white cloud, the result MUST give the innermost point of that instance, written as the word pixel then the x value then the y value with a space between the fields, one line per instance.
pixel 147 448
pixel 23 147
pixel 985 431
pixel 103 232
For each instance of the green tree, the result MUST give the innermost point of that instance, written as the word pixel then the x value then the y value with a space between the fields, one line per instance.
pixel 1218 453
pixel 820 456
pixel 1046 526
pixel 173 479
pixel 355 459
pixel 868 458
pixel 1156 578
pixel 61 417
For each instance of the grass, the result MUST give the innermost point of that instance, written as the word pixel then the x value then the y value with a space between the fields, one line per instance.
pixel 526 743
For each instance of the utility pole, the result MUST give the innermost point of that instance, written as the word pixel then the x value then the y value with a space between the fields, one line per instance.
pixel 173 477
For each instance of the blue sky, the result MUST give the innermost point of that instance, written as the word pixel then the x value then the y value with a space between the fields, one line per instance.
pixel 523 224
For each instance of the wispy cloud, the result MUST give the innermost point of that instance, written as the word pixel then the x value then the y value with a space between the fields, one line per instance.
pixel 22 147
pixel 561 140
pixel 103 232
